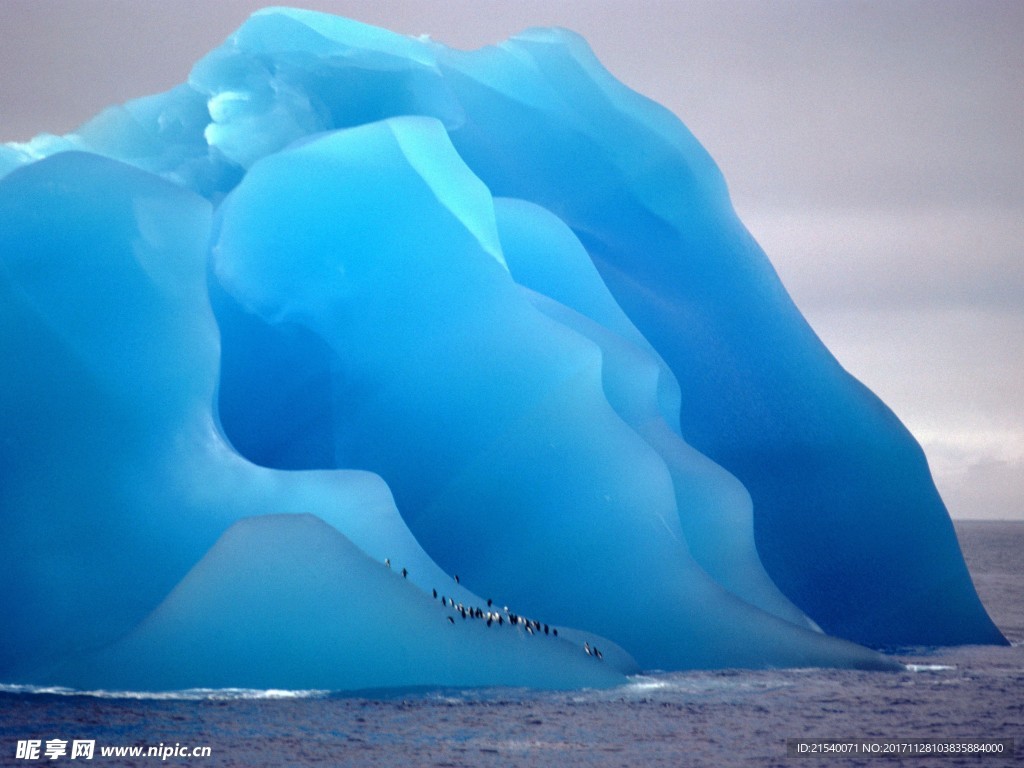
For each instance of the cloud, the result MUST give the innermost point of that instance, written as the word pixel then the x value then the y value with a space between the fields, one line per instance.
pixel 899 257
pixel 977 484
pixel 859 105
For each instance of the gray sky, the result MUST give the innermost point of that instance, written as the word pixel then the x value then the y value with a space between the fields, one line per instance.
pixel 875 149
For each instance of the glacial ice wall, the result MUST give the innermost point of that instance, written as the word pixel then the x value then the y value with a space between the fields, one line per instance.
pixel 348 314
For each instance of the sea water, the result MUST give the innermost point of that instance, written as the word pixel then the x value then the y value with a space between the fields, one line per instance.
pixel 968 694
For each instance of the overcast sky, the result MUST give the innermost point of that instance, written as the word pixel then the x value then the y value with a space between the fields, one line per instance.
pixel 874 149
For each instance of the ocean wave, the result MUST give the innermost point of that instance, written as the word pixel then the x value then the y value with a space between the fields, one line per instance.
pixel 189 694
pixel 929 667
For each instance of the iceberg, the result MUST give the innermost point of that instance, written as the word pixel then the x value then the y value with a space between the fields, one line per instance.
pixel 332 365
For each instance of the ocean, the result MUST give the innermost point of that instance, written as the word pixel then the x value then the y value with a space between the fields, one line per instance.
pixel 966 701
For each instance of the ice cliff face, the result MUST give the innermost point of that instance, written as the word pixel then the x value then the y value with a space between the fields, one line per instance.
pixel 349 313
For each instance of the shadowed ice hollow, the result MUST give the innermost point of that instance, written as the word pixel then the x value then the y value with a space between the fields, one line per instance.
pixel 359 362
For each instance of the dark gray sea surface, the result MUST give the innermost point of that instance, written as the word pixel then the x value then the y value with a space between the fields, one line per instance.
pixel 955 696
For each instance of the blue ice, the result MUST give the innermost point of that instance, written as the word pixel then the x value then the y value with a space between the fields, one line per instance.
pixel 347 297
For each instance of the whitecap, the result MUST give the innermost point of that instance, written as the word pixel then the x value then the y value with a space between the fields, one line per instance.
pixel 928 667
pixel 188 694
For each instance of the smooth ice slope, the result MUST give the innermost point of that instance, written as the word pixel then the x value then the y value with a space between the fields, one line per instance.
pixel 234 621
pixel 485 313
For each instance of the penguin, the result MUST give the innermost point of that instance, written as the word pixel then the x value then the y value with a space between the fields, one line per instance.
pixel 452 620
pixel 546 631
pixel 387 561
pixel 457 579
pixel 554 631
pixel 489 602
pixel 405 573
pixel 586 649
pixel 435 593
